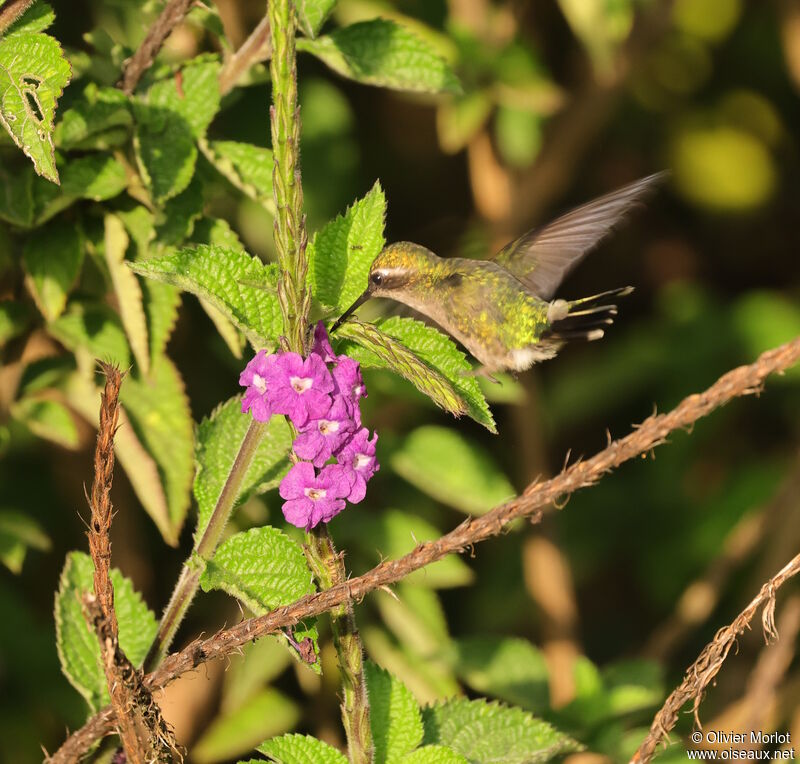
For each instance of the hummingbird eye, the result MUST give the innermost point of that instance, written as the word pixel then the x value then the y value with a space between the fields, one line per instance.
pixel 376 279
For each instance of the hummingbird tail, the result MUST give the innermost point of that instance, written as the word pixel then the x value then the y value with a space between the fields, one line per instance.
pixel 584 319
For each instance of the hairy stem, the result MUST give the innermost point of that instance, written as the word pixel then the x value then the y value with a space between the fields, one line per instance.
pixel 11 11
pixel 204 548
pixel 329 571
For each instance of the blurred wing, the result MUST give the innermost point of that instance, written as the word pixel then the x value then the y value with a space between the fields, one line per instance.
pixel 541 258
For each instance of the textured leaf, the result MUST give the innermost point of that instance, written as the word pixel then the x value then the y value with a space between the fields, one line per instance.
pixel 96 328
pixel 225 277
pixel 52 257
pixel 383 53
pixel 439 371
pixel 127 291
pixel 97 177
pixel 78 646
pixel 489 733
pixel 434 754
pixel 246 166
pixel 340 255
pixel 218 440
pixel 33 74
pixel 161 419
pixel 268 713
pixel 18 533
pixel 97 121
pixel 311 14
pixel 506 668
pixel 48 419
pixel 300 749
pixel 14 319
pixel 442 463
pixel 394 715
pixel 36 19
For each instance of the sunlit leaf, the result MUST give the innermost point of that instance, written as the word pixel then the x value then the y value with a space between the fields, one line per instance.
pixel 311 14
pixel 96 328
pixel 49 419
pixel 300 749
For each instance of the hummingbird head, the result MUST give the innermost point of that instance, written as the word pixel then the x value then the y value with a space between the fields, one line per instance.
pixel 396 271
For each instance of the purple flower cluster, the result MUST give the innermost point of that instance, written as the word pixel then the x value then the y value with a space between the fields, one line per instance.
pixel 320 395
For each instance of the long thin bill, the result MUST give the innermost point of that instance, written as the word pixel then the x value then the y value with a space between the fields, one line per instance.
pixel 357 304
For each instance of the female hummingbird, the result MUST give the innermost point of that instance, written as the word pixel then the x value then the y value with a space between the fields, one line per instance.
pixel 502 309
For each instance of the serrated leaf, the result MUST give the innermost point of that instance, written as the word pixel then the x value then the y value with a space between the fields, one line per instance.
pixel 225 277
pixel 33 74
pixel 446 381
pixel 434 754
pixel 506 668
pixel 18 533
pixel 311 14
pixel 300 749
pixel 161 418
pixel 36 19
pixel 268 713
pixel 52 258
pixel 394 715
pixel 127 291
pixel 340 255
pixel 97 121
pixel 97 177
pixel 96 328
pixel 440 462
pixel 246 166
pixel 218 440
pixel 491 733
pixel 48 419
pixel 78 646
pixel 14 319
pixel 383 53
pixel 262 567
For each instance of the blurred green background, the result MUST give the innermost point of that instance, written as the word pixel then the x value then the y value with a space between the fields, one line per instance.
pixel 604 604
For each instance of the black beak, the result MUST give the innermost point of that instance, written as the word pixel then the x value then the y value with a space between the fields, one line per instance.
pixel 357 304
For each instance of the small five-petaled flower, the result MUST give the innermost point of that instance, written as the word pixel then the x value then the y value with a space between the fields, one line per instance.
pixel 323 405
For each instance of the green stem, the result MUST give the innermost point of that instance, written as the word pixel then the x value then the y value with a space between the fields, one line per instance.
pixel 204 548
pixel 329 571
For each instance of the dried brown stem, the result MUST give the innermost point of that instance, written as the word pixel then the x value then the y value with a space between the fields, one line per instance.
pixel 709 662
pixel 653 432
pixel 11 11
pixel 256 48
pixel 146 53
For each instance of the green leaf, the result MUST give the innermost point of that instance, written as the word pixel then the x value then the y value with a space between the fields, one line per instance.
pixel 99 120
pixel 394 715
pixel 179 215
pixel 96 328
pixel 268 713
pixel 300 749
pixel 33 74
pixel 434 754
pixel 36 19
pixel 443 464
pixel 161 419
pixel 486 733
pixel 246 166
pixel 459 119
pixel 262 567
pixel 383 53
pixel 14 319
pixel 519 135
pixel 218 439
pixel 506 668
pixel 16 196
pixel 226 278
pixel 52 258
pixel 424 356
pixel 311 15
pixel 18 533
pixel 78 646
pixel 97 177
pixel 49 419
pixel 259 663
pixel 127 290
pixel 340 255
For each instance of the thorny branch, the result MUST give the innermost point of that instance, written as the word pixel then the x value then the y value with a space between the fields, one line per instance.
pixel 744 380
pixel 700 674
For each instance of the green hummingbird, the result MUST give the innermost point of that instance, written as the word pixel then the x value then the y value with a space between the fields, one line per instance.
pixel 502 309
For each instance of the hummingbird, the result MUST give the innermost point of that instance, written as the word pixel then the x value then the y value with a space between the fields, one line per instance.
pixel 502 310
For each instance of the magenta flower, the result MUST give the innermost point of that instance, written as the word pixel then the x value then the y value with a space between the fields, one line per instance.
pixel 349 384
pixel 299 388
pixel 312 498
pixel 322 345
pixel 321 438
pixel 254 378
pixel 358 458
